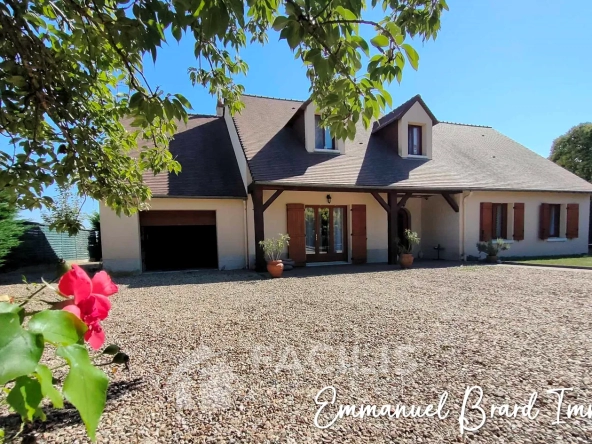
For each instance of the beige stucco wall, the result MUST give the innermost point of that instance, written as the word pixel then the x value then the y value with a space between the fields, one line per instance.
pixel 433 219
pixel 531 245
pixel 415 116
pixel 440 225
pixel 376 219
pixel 121 236
pixel 120 240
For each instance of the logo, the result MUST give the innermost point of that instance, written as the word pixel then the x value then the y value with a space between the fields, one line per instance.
pixel 202 381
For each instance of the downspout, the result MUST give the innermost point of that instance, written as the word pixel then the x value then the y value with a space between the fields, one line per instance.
pixel 246 232
pixel 464 219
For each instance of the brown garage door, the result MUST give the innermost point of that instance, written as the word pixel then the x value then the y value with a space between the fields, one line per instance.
pixel 171 218
pixel 178 240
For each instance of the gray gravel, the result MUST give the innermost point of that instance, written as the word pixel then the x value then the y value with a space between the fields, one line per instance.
pixel 235 357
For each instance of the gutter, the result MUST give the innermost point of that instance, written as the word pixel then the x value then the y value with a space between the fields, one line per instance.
pixel 164 196
pixel 246 234
pixel 417 189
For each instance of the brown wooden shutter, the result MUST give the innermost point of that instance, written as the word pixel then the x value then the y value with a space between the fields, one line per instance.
pixel 573 221
pixel 486 220
pixel 296 248
pixel 359 248
pixel 504 221
pixel 518 221
pixel 544 221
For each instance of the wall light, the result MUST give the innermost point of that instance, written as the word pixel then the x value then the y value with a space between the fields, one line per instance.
pixel 328 198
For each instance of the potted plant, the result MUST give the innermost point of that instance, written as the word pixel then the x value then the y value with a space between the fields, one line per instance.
pixel 492 248
pixel 406 248
pixel 273 249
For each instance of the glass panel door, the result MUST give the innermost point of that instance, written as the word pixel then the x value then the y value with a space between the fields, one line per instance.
pixel 325 233
pixel 310 226
pixel 324 228
pixel 338 230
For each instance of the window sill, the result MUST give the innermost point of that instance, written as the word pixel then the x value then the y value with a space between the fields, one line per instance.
pixel 557 239
pixel 415 156
pixel 508 241
pixel 327 151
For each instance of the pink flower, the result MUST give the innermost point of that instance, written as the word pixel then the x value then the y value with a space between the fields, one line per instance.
pixel 89 300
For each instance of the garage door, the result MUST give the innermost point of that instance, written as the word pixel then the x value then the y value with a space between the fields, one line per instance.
pixel 178 240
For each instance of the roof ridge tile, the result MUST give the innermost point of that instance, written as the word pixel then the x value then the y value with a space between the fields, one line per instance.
pixel 273 98
pixel 201 115
pixel 465 124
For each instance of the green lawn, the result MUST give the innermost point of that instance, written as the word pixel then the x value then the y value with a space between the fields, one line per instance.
pixel 580 261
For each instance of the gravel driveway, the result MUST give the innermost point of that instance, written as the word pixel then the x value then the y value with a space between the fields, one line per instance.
pixel 234 357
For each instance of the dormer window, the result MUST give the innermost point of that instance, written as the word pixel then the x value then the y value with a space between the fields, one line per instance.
pixel 414 140
pixel 323 139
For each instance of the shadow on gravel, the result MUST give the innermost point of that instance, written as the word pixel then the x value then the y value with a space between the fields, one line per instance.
pixel 328 270
pixel 60 418
pixel 34 273
pixel 171 278
pixel 198 277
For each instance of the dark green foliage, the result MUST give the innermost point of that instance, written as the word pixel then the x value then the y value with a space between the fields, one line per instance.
pixel 95 221
pixel 573 151
pixel 94 239
pixel 65 214
pixel 61 62
pixel 492 247
pixel 11 229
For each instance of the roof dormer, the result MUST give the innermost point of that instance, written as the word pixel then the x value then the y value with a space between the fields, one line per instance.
pixel 410 128
pixel 317 139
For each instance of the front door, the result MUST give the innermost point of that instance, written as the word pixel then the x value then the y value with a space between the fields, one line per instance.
pixel 326 233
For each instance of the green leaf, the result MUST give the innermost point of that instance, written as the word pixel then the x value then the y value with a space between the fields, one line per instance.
pixel 111 350
pixel 177 32
pixel 393 29
pixel 136 99
pixel 312 54
pixel 387 97
pixel 183 100
pixel 17 81
pixel 280 22
pixel 25 397
pixel 58 327
pixel 295 34
pixel 85 386
pixel 345 13
pixel 6 307
pixel 45 378
pixel 380 40
pixel 412 55
pixel 20 350
pixel 361 43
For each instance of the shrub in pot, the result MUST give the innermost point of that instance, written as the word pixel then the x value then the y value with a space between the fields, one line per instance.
pixel 406 248
pixel 491 248
pixel 273 249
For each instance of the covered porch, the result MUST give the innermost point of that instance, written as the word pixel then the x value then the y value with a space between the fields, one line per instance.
pixel 351 224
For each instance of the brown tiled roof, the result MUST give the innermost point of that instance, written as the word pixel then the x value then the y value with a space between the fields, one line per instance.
pixel 398 112
pixel 463 157
pixel 208 163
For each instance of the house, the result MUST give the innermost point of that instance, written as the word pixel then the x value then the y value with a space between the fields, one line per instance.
pixel 272 169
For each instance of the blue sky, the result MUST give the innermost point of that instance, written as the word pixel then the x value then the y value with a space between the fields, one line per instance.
pixel 521 66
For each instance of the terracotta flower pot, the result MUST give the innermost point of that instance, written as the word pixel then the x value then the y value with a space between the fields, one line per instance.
pixel 406 260
pixel 492 259
pixel 275 268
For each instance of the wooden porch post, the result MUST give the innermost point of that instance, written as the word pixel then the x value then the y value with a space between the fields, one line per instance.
pixel 259 228
pixel 392 227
